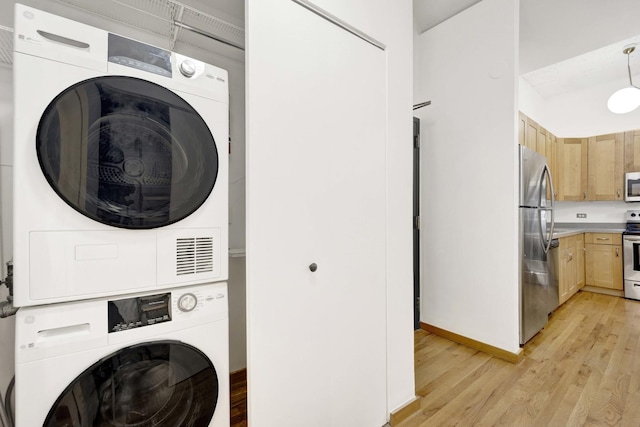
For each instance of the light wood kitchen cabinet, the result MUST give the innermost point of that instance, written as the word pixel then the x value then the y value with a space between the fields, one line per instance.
pixel 580 251
pixel 603 260
pixel 552 161
pixel 532 135
pixel 570 264
pixel 571 169
pixel 632 151
pixel 522 128
pixel 606 167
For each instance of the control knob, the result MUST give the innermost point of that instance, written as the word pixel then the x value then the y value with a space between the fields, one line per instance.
pixel 187 302
pixel 187 68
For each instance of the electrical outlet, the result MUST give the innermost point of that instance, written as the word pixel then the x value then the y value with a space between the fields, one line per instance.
pixel 581 215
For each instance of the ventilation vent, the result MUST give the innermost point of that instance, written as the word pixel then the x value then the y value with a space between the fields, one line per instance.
pixel 194 255
pixel 6 45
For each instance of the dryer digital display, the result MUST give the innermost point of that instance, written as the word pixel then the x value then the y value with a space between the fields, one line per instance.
pixel 130 313
pixel 127 152
pixel 139 55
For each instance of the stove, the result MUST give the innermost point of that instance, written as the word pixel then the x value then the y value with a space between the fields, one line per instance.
pixel 631 255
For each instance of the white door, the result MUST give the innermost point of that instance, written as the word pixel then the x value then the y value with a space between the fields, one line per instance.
pixel 316 112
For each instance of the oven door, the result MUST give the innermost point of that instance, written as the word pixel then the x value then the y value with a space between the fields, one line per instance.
pixel 631 254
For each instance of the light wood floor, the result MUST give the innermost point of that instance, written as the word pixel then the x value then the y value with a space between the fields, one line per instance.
pixel 583 369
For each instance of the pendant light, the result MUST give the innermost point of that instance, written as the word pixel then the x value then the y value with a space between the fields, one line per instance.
pixel 627 99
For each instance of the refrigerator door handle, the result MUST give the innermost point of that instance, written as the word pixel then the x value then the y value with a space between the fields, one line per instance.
pixel 546 236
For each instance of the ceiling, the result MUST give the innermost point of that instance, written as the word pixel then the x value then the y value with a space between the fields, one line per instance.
pixel 429 13
pixel 564 46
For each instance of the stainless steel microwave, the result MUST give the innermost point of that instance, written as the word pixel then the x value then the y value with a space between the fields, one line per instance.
pixel 632 187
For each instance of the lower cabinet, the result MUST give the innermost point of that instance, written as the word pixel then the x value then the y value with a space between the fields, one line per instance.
pixel 592 259
pixel 604 260
pixel 570 264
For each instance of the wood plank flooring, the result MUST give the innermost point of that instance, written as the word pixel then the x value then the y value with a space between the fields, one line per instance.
pixel 582 369
pixel 238 398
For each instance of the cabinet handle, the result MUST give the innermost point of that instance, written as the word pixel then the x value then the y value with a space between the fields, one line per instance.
pixel 619 194
pixel 569 257
pixel 602 238
pixel 313 267
pixel 617 252
pixel 584 194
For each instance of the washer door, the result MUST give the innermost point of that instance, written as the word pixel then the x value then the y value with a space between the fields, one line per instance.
pixel 127 152
pixel 166 383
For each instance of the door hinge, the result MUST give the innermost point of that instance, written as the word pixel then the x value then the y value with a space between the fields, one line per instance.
pixel 416 141
pixel 416 222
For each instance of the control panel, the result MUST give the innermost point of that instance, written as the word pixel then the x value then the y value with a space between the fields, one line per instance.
pixel 633 215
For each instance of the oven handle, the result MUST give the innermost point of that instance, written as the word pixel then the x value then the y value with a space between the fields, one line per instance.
pixel 631 238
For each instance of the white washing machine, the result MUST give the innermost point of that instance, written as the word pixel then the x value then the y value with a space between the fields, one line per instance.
pixel 120 164
pixel 139 360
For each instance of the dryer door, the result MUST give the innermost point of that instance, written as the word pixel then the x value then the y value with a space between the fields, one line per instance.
pixel 127 152
pixel 164 383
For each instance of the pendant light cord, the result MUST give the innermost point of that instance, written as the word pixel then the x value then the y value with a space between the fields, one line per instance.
pixel 629 68
pixel 629 50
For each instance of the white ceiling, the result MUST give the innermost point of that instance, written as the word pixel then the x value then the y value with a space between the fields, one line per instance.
pixel 429 13
pixel 565 45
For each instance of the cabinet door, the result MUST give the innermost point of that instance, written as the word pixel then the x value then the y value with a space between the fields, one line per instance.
pixel 552 156
pixel 618 282
pixel 567 269
pixel 603 266
pixel 579 239
pixel 531 135
pixel 541 145
pixel 606 158
pixel 572 169
pixel 522 128
pixel 316 189
pixel 632 151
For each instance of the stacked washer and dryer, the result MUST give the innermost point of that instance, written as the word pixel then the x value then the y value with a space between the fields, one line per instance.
pixel 120 230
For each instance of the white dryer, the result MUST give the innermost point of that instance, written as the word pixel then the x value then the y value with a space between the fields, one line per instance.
pixel 120 164
pixel 140 360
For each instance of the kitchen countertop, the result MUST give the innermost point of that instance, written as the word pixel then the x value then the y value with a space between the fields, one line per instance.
pixel 567 229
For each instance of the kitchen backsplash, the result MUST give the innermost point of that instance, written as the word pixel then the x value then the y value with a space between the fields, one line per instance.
pixel 598 212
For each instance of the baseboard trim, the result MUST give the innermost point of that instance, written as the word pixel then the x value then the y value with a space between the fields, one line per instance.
pixel 476 345
pixel 597 290
pixel 401 414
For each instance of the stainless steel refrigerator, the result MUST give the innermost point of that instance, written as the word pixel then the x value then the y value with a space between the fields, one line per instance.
pixel 538 273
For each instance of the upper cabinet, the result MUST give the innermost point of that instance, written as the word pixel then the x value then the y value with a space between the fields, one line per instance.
pixel 571 169
pixel 631 151
pixel 537 138
pixel 584 168
pixel 606 170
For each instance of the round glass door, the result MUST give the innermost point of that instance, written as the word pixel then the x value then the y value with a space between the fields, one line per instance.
pixel 127 152
pixel 165 383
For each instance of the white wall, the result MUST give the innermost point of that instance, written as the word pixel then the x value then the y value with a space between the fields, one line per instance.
pixel 469 166
pixel 597 212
